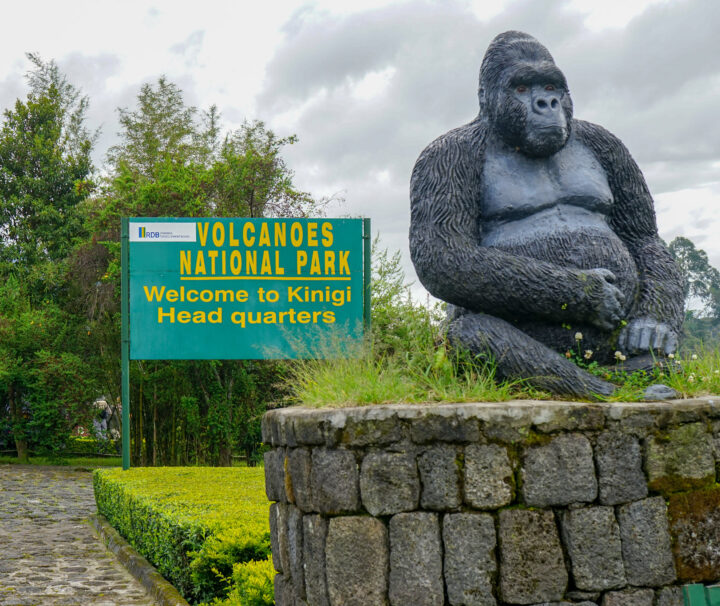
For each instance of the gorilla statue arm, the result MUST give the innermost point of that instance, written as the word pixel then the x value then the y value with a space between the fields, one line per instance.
pixel 445 233
pixel 656 318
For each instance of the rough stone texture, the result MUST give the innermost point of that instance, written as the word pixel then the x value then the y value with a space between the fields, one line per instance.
pixel 315 530
pixel 488 476
pixel 670 596
pixel 379 431
pixel 532 568
pixel 416 566
pixel 441 425
pixel 439 469
pixel 275 474
pixel 695 529
pixel 283 591
pixel 646 542
pixel 356 556
pixel 681 460
pixel 298 471
pixel 560 472
pixel 295 551
pixel 469 542
pixel 619 464
pixel 389 483
pixel 583 596
pixel 592 540
pixel 334 481
pixel 629 597
pixel 49 554
pixel 278 535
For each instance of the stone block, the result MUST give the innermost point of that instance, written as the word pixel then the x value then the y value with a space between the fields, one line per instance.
pixel 488 476
pixel 695 530
pixel 559 473
pixel 646 542
pixel 416 567
pixel 629 597
pixel 469 542
pixel 356 561
pixel 583 596
pixel 592 540
pixel 532 568
pixel 334 481
pixel 680 459
pixel 619 464
pixel 278 536
pixel 283 591
pixel 372 431
pixel 389 483
pixel 315 530
pixel 439 469
pixel 444 425
pixel 295 551
pixel 275 474
pixel 670 596
pixel 298 472
pixel 308 430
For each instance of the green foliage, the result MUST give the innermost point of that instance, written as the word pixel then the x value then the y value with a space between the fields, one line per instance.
pixel 252 585
pixel 193 524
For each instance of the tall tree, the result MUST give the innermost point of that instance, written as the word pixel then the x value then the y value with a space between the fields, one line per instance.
pixel 702 280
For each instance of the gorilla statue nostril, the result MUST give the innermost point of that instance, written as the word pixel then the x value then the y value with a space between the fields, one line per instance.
pixel 541 103
pixel 554 104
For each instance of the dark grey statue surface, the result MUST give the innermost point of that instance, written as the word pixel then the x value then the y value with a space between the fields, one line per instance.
pixel 536 226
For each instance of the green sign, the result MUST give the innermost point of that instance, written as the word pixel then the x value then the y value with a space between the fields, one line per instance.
pixel 245 288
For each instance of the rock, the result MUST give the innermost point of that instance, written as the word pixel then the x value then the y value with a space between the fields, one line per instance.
pixel 488 476
pixel 334 481
pixel 532 568
pixel 658 391
pixel 275 474
pixel 315 530
pixel 389 483
pixel 670 596
pixel 440 478
pixel 278 537
pixel 646 542
pixel 469 541
pixel 295 551
pixel 559 473
pixel 356 561
pixel 444 425
pixel 283 591
pixel 682 459
pixel 592 540
pixel 629 597
pixel 619 463
pixel 416 567
pixel 298 470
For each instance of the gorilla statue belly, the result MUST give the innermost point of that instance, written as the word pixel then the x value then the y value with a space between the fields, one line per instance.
pixel 536 226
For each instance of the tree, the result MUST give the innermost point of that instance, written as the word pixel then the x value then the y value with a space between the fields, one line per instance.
pixel 45 170
pixel 702 280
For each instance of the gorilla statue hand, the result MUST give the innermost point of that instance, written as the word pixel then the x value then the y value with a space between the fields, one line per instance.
pixel 646 334
pixel 604 298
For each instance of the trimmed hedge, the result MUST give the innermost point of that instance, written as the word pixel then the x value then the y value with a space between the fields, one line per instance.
pixel 195 524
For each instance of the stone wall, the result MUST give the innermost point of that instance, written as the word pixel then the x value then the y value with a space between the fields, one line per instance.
pixel 485 504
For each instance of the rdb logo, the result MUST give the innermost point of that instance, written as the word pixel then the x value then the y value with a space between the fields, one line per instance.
pixel 148 234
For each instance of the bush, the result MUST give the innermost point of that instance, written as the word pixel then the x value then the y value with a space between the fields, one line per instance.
pixel 252 584
pixel 194 524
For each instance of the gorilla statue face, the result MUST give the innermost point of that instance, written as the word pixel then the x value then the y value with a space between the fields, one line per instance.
pixel 524 95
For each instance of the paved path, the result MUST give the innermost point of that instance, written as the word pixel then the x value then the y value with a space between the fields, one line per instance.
pixel 49 553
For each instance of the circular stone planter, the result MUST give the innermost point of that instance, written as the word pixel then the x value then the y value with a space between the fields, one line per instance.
pixel 521 502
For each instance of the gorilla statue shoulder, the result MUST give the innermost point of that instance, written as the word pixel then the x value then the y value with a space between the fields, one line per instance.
pixel 536 226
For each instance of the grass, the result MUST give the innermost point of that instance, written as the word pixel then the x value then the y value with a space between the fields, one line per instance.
pixel 92 462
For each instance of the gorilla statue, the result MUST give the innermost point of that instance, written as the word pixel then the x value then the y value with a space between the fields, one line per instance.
pixel 536 226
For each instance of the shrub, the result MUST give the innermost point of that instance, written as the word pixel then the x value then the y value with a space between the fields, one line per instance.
pixel 252 585
pixel 194 524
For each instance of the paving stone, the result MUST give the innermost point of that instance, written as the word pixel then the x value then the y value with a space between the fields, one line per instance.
pixel 416 567
pixel 488 476
pixel 315 530
pixel 50 554
pixel 356 561
pixel 298 468
pixel 619 463
pixel 334 480
pixel 646 542
pixel 559 473
pixel 440 478
pixel 629 597
pixel 469 546
pixel 592 539
pixel 389 483
pixel 695 530
pixel 532 568
pixel 681 459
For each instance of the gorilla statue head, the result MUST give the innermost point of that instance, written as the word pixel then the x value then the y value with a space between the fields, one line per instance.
pixel 524 95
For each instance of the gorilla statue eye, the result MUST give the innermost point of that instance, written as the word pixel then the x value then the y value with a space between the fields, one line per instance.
pixel 521 89
pixel 549 87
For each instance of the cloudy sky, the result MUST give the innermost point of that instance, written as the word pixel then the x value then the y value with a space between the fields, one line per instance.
pixel 366 84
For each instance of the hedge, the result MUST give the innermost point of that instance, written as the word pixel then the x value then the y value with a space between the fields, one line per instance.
pixel 205 529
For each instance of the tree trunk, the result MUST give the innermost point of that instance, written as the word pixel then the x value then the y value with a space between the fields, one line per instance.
pixel 21 444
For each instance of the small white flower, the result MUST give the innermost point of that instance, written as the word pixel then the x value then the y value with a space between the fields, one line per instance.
pixel 622 358
pixel 671 356
pixel 588 354
pixel 694 356
pixel 578 336
pixel 717 372
pixel 691 378
pixel 618 355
